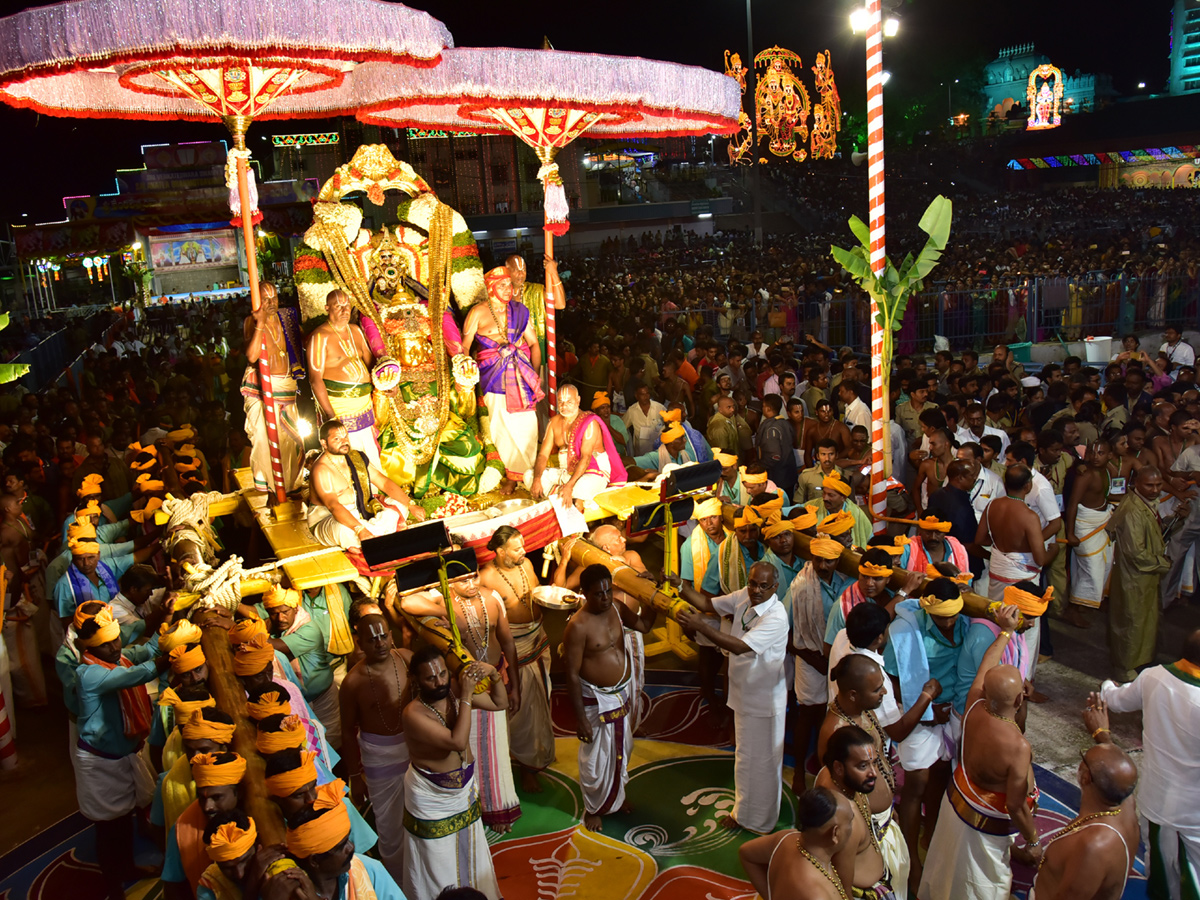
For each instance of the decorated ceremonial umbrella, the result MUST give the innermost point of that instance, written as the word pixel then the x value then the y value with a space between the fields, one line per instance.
pixel 238 60
pixel 548 98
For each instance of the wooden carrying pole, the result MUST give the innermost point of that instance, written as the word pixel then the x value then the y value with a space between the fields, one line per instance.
pixel 231 698
pixel 627 579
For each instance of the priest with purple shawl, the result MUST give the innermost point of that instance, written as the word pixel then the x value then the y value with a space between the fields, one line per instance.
pixel 586 458
pixel 509 358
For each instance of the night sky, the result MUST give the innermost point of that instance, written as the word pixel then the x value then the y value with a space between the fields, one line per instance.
pixel 48 158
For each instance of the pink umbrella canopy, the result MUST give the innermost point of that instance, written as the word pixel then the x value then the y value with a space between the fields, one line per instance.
pixel 180 59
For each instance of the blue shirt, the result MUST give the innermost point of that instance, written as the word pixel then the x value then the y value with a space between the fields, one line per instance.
pixel 649 461
pixel 686 571
pixel 66 661
pixel 712 578
pixel 784 575
pixel 98 692
pixel 941 655
pixel 65 601
pixel 309 643
pixel 835 619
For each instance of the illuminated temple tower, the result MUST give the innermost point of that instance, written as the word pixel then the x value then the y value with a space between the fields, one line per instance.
pixel 1185 47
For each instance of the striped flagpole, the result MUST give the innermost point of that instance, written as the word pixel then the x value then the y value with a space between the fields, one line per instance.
pixel 879 442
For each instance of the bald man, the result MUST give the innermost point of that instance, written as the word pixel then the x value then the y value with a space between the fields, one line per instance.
pixel 798 865
pixel 1090 857
pixel 592 459
pixel 992 795
pixel 757 647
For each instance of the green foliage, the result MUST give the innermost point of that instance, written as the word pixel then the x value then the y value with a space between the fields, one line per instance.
pixel 10 371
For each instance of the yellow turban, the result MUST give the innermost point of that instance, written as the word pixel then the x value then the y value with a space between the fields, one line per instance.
pixel 962 578
pixel 198 728
pixel 145 483
pixel 253 655
pixel 184 660
pixel 279 596
pixel 742 521
pixel 245 629
pixel 83 547
pixel 778 527
pixel 81 616
pixel 180 634
pixel 291 734
pixel 207 772
pixel 937 607
pixel 673 433
pixel 891 550
pixel 770 506
pixel 230 843
pixel 825 548
pixel 272 703
pixel 287 783
pixel 725 459
pixel 146 512
pixel 834 482
pixel 1029 604
pixel 706 508
pixel 806 519
pixel 760 478
pixel 84 531
pixel 326 831
pixel 192 466
pixel 599 399
pixel 109 629
pixel 92 509
pixel 933 523
pixel 91 485
pixel 183 708
pixel 187 450
pixel 182 435
pixel 839 523
pixel 873 571
pixel 673 415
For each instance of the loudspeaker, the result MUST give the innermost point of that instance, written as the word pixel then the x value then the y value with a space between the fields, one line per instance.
pixel 694 477
pixel 422 573
pixel 426 537
pixel 653 516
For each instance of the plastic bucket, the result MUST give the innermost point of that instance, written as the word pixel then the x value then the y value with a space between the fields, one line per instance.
pixel 1098 349
pixel 1022 353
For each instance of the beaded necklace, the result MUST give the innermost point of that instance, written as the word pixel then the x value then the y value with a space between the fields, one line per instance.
pixel 836 882
pixel 478 637
pixel 873 728
pixel 1077 823
pixel 1011 722
pixel 523 597
pixel 391 729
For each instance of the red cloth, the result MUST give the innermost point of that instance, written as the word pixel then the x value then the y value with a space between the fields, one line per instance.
pixel 135 702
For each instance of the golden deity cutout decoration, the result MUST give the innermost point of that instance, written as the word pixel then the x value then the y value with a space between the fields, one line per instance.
pixel 781 104
pixel 827 113
pixel 1045 104
pixel 740 147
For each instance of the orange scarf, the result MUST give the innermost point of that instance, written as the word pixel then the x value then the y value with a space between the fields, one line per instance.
pixel 135 702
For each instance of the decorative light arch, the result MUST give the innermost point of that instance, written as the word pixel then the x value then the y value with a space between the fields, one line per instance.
pixel 1045 105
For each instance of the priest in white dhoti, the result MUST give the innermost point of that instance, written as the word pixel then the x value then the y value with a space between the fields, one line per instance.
pixel 757 645
pixel 1168 791
pixel 1092 559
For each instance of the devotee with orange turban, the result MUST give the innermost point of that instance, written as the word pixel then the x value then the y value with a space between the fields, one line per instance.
pixel 231 840
pixel 112 777
pixel 218 777
pixel 835 498
pixel 88 577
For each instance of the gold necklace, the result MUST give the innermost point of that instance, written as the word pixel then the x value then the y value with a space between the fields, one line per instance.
pixel 1076 823
pixel 1011 722
pixel 837 883
pixel 873 728
pixel 522 598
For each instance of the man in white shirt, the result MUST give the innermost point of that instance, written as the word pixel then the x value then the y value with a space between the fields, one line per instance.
pixel 757 646
pixel 857 412
pixel 1168 792
pixel 987 483
pixel 972 428
pixel 1179 353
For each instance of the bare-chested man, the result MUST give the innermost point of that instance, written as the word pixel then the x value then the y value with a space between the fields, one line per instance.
pixel 592 461
pixel 1086 515
pixel 860 691
pixel 339 364
pixel 345 507
pixel 933 472
pixel 599 672
pixel 611 540
pixel 1091 856
pixel 992 795
pixel 1017 539
pixel 372 704
pixel 479 614
pixel 268 331
pixel 438 789
pixel 530 727
pixel 851 771
pixel 798 865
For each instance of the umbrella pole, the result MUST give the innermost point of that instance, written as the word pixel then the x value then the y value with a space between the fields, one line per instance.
pixel 237 126
pixel 551 373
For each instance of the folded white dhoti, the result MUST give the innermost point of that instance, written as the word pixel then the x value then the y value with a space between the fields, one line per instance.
pixel 444 842
pixel 970 864
pixel 894 850
pixel 493 770
pixel 332 533
pixel 758 771
pixel 587 487
pixel 515 435
pixel 636 647
pixel 604 763
pixel 531 729
pixel 1005 569
pixel 109 788
pixel 927 744
pixel 385 763
pixel 1091 561
pixel 325 707
pixel 812 687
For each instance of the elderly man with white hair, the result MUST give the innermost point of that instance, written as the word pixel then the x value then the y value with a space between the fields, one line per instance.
pixel 588 461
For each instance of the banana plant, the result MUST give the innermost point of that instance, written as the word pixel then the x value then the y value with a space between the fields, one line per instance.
pixel 892 288
pixel 10 371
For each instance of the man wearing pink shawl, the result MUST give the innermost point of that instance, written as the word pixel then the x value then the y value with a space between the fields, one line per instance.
pixel 586 457
pixel 509 358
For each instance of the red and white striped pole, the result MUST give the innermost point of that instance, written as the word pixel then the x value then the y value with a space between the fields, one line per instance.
pixel 880 445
